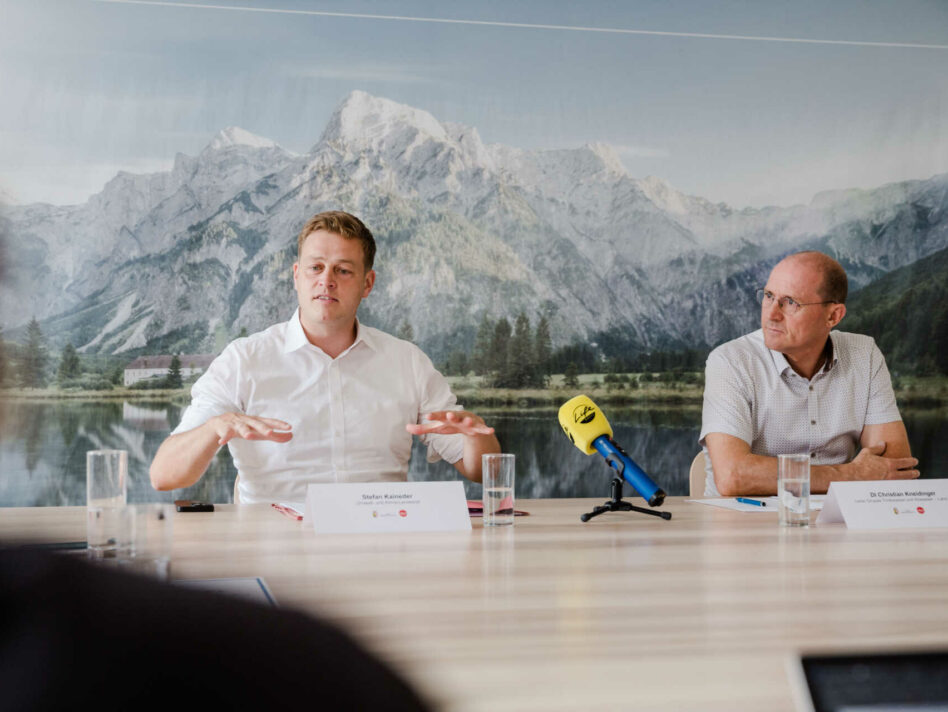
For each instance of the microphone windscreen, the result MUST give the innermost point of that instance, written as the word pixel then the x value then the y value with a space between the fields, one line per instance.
pixel 583 422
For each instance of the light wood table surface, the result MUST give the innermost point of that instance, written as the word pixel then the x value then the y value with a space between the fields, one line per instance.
pixel 625 612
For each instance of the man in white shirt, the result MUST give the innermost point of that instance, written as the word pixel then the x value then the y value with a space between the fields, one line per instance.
pixel 795 387
pixel 321 398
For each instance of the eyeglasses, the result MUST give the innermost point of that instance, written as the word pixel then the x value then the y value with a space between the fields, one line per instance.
pixel 788 305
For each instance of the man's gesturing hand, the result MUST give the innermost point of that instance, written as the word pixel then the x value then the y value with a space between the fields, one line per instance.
pixel 248 427
pixel 449 422
pixel 870 465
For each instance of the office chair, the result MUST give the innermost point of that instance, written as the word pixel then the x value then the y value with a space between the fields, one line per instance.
pixel 696 476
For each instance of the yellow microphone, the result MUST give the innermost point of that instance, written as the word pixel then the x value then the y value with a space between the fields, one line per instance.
pixel 583 422
pixel 587 428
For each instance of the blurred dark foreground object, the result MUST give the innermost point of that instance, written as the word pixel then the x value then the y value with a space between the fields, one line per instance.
pixel 880 682
pixel 76 636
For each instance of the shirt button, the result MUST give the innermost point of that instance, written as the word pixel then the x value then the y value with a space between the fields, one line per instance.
pixel 812 422
pixel 811 388
pixel 812 454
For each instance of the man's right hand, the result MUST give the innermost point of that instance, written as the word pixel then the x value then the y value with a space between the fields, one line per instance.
pixel 870 465
pixel 248 427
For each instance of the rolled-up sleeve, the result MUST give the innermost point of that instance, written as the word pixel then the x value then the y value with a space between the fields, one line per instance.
pixel 727 406
pixel 435 394
pixel 214 393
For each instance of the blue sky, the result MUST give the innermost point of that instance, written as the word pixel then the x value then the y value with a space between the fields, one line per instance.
pixel 92 87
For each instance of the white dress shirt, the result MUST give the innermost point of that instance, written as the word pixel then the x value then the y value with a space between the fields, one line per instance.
pixel 348 414
pixel 754 394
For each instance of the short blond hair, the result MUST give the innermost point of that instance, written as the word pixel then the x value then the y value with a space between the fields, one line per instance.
pixel 344 225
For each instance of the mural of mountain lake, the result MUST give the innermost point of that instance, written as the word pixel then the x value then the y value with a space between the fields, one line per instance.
pixel 43 446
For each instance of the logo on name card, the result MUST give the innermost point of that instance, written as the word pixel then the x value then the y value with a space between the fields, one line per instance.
pixel 402 513
pixel 920 510
pixel 375 513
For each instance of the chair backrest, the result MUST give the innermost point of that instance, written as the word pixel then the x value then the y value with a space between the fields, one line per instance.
pixel 696 476
pixel 236 490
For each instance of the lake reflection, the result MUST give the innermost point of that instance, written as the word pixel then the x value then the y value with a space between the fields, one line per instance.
pixel 43 446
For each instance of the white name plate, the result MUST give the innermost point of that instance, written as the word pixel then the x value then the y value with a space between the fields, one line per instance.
pixel 364 507
pixel 887 504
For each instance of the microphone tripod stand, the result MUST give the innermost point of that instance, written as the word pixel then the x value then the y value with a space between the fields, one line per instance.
pixel 617 504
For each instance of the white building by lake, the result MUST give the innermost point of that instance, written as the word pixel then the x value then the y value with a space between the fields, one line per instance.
pixel 145 367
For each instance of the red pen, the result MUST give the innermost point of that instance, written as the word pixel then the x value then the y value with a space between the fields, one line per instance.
pixel 288 511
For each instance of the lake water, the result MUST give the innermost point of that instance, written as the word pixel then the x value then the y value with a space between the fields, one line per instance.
pixel 43 446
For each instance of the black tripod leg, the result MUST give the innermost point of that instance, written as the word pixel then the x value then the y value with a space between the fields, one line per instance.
pixel 653 512
pixel 595 513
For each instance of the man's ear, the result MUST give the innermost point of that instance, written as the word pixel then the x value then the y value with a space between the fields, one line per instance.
pixel 836 314
pixel 296 271
pixel 369 283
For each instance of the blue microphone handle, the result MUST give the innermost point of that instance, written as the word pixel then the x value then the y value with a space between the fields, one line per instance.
pixel 629 471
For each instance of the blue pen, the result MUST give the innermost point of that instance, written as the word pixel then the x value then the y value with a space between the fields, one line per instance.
pixel 756 502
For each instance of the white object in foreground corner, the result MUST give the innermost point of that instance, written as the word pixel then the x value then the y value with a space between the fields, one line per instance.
pixel 890 504
pixel 365 507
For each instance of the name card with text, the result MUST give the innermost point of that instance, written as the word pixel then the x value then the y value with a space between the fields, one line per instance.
pixel 888 504
pixel 364 507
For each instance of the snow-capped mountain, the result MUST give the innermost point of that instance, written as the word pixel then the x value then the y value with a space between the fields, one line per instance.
pixel 184 259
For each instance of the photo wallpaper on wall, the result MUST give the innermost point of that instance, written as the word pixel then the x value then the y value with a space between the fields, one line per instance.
pixel 628 172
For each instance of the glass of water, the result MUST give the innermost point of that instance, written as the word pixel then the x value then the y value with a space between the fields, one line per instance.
pixel 106 492
pixel 498 481
pixel 152 536
pixel 793 490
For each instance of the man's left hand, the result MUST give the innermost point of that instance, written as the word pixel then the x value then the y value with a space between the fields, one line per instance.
pixel 450 422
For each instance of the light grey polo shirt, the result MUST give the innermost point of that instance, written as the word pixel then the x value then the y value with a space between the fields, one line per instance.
pixel 753 394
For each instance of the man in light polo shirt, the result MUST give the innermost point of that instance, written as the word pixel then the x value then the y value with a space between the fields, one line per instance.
pixel 321 397
pixel 797 386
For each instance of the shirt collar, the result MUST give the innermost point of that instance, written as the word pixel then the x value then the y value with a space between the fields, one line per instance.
pixel 295 337
pixel 364 336
pixel 831 357
pixel 781 364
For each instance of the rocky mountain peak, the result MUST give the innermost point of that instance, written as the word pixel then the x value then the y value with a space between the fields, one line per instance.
pixel 236 136
pixel 364 121
pixel 665 196
pixel 607 154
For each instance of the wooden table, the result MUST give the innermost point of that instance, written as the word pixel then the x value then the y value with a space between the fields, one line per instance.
pixel 626 611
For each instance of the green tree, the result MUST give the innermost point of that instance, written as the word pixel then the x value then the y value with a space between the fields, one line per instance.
pixel 543 348
pixel 481 360
pixel 457 364
pixel 3 359
pixel 499 350
pixel 405 331
pixel 939 340
pixel 33 363
pixel 117 375
pixel 570 376
pixel 173 379
pixel 69 366
pixel 519 371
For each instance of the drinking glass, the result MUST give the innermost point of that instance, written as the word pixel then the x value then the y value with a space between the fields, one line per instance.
pixel 793 490
pixel 152 535
pixel 498 481
pixel 106 492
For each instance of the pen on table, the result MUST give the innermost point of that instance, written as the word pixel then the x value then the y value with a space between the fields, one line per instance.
pixel 288 511
pixel 755 502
